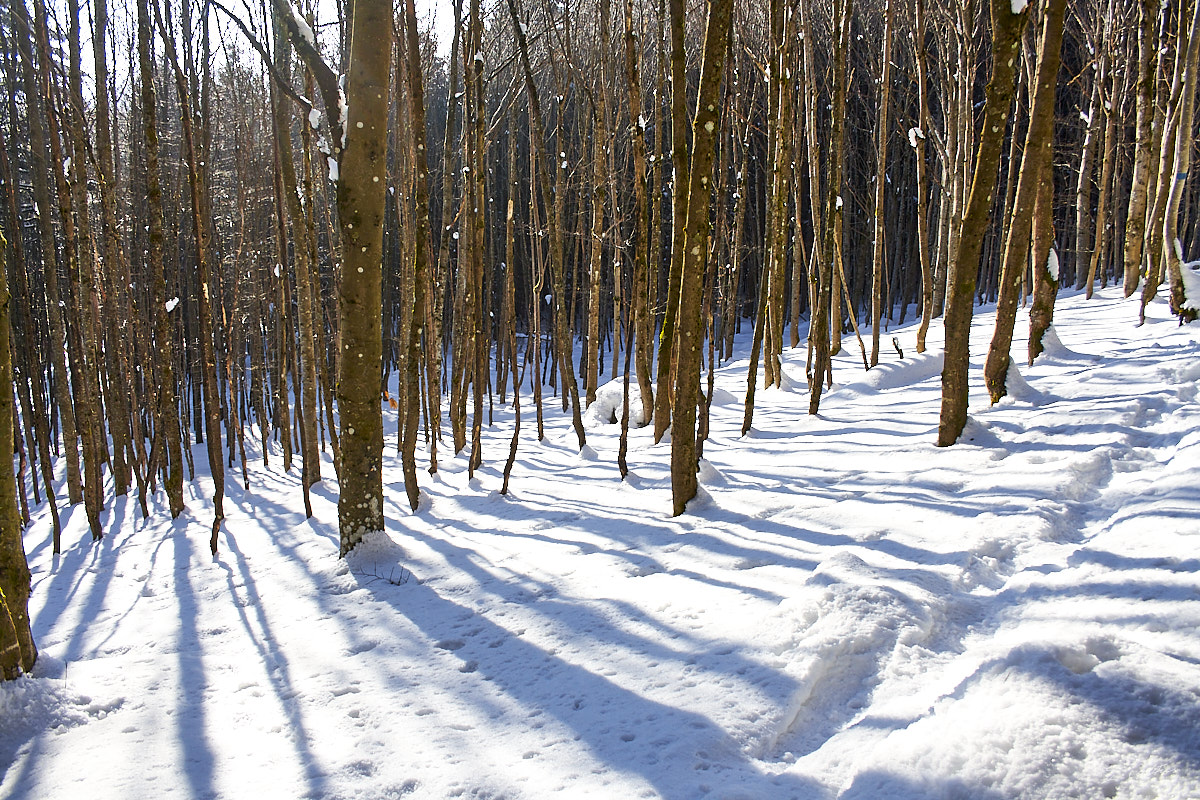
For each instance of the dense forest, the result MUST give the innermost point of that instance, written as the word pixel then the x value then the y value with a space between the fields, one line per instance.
pixel 234 219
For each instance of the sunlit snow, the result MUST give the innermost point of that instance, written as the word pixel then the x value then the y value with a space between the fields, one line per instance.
pixel 845 610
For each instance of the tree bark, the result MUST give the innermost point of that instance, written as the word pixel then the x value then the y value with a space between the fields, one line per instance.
pixel 17 650
pixel 167 411
pixel 1007 29
pixel 361 193
pixel 1135 224
pixel 690 332
pixel 1039 150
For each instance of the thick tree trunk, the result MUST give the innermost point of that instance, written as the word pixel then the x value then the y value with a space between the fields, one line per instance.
pixel 680 158
pixel 1045 273
pixel 690 332
pixel 361 193
pixel 1036 168
pixel 1007 29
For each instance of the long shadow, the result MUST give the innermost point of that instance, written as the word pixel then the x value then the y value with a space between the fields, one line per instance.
pixel 190 718
pixel 1104 558
pixel 580 614
pixel 275 664
pixel 613 738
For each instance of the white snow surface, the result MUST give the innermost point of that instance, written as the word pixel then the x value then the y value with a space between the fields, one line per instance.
pixel 1191 284
pixel 845 611
pixel 302 25
pixel 1019 6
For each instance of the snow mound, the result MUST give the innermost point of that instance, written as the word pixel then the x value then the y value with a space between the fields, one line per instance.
pixel 606 408
pixel 850 622
pixel 1052 346
pixel 1017 388
pixel 721 397
pixel 897 375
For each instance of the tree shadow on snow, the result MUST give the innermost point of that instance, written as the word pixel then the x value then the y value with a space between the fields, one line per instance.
pixel 689 754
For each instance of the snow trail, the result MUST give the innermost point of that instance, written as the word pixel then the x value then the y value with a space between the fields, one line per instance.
pixel 848 612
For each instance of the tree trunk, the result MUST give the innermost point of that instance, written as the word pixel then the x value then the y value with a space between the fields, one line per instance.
pixel 1007 29
pixel 1184 307
pixel 1036 168
pixel 310 472
pixel 1135 223
pixel 918 143
pixel 643 226
pixel 556 249
pixel 167 413
pixel 680 158
pixel 208 366
pixel 41 192
pixel 17 650
pixel 361 191
pixel 411 416
pixel 878 257
pixel 690 333
pixel 1046 274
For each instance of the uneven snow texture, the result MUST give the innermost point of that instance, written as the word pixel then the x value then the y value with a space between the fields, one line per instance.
pixel 846 611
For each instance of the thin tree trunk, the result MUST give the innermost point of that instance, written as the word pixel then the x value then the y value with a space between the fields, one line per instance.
pixel 1135 223
pixel 411 416
pixel 17 650
pixel 209 377
pixel 167 426
pixel 878 256
pixel 643 227
pixel 36 114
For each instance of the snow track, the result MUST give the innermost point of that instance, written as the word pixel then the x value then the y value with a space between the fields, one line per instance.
pixel 847 611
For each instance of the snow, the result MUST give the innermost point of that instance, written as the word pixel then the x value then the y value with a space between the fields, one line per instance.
pixel 302 25
pixel 1052 264
pixel 171 304
pixel 314 118
pixel 913 135
pixel 1191 285
pixel 846 610
pixel 334 169
pixel 343 111
pixel 1018 6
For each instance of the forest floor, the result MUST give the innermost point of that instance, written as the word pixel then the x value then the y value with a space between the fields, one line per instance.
pixel 846 610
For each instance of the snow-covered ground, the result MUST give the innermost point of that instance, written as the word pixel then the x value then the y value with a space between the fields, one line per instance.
pixel 846 610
